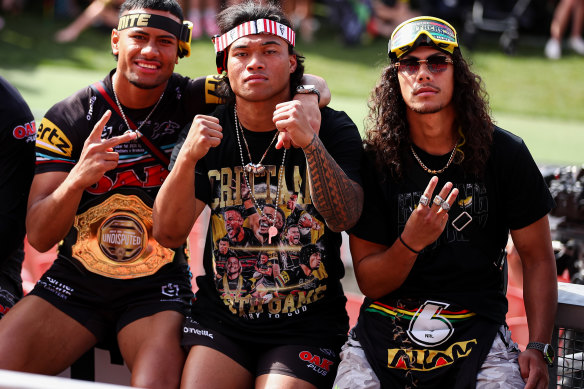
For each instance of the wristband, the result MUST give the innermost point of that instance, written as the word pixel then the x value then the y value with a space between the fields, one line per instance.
pixel 408 247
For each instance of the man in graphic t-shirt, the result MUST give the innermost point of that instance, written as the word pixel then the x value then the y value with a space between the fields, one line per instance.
pixel 295 332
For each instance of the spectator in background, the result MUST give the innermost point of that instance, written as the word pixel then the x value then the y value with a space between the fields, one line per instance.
pixel 387 14
pixel 17 159
pixel 99 11
pixel 300 14
pixel 565 10
pixel 202 14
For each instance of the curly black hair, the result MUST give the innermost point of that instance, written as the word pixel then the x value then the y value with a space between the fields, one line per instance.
pixel 387 135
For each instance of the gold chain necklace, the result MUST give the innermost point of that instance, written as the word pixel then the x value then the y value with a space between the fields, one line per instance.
pixel 435 171
pixel 272 230
pixel 137 130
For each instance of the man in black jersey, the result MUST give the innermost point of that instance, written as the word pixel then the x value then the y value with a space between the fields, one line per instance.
pixel 281 338
pixel 443 188
pixel 102 155
pixel 17 139
pixel 93 189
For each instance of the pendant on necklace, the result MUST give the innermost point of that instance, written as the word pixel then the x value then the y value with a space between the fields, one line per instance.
pixel 257 169
pixel 272 231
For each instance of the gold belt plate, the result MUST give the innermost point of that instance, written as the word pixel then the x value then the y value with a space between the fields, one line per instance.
pixel 114 239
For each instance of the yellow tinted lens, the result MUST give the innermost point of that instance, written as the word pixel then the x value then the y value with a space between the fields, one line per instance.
pixel 438 31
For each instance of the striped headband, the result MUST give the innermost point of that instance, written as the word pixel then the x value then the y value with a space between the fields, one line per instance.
pixel 260 26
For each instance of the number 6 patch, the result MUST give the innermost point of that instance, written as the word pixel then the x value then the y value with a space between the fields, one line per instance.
pixel 429 327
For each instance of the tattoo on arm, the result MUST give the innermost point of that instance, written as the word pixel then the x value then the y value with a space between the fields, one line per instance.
pixel 336 197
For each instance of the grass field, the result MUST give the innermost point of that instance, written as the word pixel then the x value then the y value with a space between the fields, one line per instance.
pixel 542 101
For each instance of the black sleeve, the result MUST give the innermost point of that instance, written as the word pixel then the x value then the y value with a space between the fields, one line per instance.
pixel 202 94
pixel 17 160
pixel 376 219
pixel 527 197
pixel 342 140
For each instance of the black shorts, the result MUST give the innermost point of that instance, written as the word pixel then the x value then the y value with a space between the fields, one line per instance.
pixel 314 364
pixel 10 280
pixel 105 305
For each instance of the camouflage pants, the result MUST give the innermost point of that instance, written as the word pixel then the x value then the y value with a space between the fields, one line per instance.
pixel 500 369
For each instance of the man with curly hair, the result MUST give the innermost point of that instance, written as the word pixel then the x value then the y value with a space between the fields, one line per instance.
pixel 443 188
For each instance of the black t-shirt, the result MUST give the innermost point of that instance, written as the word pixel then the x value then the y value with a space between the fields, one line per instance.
pixel 454 278
pixel 65 127
pixel 286 312
pixel 17 139
pixel 458 267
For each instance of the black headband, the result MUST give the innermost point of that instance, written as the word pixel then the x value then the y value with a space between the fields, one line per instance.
pixel 182 31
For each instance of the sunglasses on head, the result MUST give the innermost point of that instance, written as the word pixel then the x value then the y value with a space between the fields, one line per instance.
pixel 435 64
pixel 423 30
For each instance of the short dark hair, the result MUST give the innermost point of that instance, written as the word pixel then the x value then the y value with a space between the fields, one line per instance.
pixel 171 6
pixel 233 208
pixel 306 252
pixel 235 15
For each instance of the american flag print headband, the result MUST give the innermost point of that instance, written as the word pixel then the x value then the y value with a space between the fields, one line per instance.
pixel 260 26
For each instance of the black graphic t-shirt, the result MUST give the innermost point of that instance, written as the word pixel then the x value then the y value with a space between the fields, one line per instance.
pixel 290 290
pixel 458 270
pixel 65 127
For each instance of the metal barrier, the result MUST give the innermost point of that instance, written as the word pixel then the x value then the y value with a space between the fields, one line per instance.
pixel 568 338
pixel 17 380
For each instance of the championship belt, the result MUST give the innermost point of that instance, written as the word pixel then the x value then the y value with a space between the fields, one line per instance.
pixel 114 239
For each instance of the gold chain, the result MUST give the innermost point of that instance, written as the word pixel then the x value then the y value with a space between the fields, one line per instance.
pixel 435 171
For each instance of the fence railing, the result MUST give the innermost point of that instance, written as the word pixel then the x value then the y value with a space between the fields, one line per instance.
pixel 568 338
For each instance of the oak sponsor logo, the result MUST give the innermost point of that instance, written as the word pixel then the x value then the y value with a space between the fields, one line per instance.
pixel 51 138
pixel 26 130
pixel 121 237
pixel 7 300
pixel 425 359
pixel 317 363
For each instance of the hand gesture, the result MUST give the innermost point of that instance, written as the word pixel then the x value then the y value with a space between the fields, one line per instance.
pixel 205 132
pixel 428 220
pixel 533 369
pixel 98 155
pixel 244 189
pixel 292 122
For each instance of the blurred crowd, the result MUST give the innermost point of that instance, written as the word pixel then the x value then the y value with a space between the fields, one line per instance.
pixel 358 21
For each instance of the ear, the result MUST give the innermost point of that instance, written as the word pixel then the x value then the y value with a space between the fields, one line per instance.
pixel 115 40
pixel 293 63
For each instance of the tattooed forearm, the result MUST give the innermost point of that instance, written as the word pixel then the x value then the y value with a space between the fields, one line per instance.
pixel 336 197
